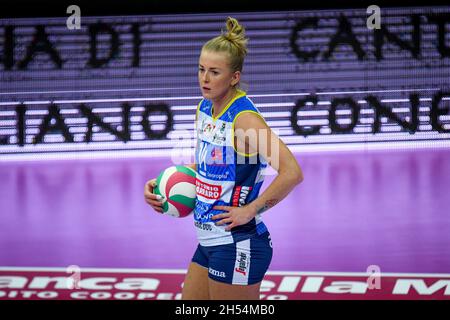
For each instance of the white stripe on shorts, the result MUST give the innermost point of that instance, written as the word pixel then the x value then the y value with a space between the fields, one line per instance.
pixel 242 263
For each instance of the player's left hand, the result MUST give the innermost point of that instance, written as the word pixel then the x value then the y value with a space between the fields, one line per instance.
pixel 236 216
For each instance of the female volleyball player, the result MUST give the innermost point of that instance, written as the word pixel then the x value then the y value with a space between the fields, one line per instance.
pixel 234 145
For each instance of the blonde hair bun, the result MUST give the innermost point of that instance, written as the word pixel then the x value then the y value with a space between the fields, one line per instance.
pixel 236 34
pixel 233 42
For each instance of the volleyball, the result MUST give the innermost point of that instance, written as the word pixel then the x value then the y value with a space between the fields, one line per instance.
pixel 176 185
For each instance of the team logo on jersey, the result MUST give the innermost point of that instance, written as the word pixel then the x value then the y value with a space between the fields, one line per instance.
pixel 219 138
pixel 220 134
pixel 208 191
pixel 216 273
pixel 240 195
pixel 242 263
pixel 208 128
pixel 212 133
pixel 217 155
pixel 213 155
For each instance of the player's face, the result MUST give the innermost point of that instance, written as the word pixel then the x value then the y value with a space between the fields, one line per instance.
pixel 215 77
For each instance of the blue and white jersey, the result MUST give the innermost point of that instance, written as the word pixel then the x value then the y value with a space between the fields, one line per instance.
pixel 224 176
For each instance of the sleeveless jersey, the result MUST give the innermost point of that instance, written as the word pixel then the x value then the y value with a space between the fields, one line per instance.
pixel 224 176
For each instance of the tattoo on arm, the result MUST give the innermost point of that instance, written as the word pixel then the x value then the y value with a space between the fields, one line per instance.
pixel 269 204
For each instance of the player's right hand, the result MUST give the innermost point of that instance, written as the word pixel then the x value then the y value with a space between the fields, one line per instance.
pixel 152 199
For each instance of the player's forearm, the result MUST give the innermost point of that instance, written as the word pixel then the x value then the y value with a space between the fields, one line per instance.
pixel 280 187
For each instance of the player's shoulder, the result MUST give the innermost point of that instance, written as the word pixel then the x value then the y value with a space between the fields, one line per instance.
pixel 244 103
pixel 247 119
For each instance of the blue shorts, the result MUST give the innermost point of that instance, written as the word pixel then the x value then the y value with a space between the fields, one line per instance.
pixel 242 263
